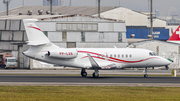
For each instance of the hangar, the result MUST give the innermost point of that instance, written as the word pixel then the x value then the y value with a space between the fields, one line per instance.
pixel 137 22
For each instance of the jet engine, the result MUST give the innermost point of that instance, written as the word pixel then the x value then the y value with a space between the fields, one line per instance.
pixel 63 54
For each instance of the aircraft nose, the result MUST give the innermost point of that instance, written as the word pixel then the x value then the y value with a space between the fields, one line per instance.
pixel 167 61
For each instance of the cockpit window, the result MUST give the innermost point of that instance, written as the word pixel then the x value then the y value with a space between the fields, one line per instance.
pixel 155 54
pixel 152 54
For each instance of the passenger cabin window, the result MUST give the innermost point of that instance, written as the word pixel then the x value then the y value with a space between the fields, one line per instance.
pixel 118 55
pixel 114 55
pixel 130 55
pixel 111 55
pixel 126 56
pixel 122 55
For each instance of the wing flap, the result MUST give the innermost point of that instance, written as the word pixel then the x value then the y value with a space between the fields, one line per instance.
pixel 110 66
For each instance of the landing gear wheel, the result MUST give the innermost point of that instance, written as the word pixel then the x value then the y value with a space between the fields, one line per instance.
pixel 95 76
pixel 84 74
pixel 145 75
pixel 167 68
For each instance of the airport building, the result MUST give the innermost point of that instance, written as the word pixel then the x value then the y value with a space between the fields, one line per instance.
pixel 137 23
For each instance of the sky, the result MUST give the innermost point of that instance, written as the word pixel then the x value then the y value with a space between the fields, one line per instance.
pixel 164 7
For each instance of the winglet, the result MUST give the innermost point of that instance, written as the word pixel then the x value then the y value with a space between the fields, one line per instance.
pixel 93 62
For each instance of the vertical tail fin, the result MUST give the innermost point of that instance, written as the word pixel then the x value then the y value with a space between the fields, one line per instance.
pixel 175 36
pixel 34 33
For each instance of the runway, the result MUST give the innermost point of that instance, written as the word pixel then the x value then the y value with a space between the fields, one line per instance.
pixel 20 77
pixel 78 71
pixel 79 79
pixel 88 81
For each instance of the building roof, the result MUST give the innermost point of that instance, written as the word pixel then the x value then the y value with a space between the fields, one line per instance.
pixel 147 41
pixel 19 17
pixel 64 10
pixel 53 17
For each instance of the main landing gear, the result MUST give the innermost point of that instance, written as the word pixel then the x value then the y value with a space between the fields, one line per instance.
pixel 145 75
pixel 83 72
pixel 96 73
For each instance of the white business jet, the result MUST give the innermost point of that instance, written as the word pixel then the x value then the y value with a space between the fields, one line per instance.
pixel 42 49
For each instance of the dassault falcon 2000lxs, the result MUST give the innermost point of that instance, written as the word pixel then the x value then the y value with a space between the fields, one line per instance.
pixel 41 48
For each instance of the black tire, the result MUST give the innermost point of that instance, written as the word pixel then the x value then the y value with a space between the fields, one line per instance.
pixel 84 74
pixel 95 76
pixel 145 75
pixel 167 68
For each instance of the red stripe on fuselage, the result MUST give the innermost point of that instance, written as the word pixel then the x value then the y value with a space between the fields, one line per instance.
pixel 35 28
pixel 89 52
pixel 132 61
pixel 113 59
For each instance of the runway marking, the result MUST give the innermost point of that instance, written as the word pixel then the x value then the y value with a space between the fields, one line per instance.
pixel 140 85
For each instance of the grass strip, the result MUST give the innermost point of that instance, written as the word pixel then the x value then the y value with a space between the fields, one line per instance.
pixel 63 93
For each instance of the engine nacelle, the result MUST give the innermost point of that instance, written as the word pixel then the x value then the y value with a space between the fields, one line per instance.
pixel 63 53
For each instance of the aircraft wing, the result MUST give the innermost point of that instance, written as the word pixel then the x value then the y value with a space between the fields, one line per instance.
pixel 93 62
pixel 95 65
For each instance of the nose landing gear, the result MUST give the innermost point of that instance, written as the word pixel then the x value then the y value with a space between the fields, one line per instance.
pixel 145 75
pixel 167 68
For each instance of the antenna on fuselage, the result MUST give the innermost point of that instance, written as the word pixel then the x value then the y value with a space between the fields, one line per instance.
pixel 115 46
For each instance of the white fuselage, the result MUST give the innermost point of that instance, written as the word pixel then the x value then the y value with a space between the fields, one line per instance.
pixel 121 57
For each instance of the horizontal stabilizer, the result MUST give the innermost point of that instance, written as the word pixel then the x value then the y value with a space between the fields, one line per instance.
pixel 36 43
pixel 93 62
